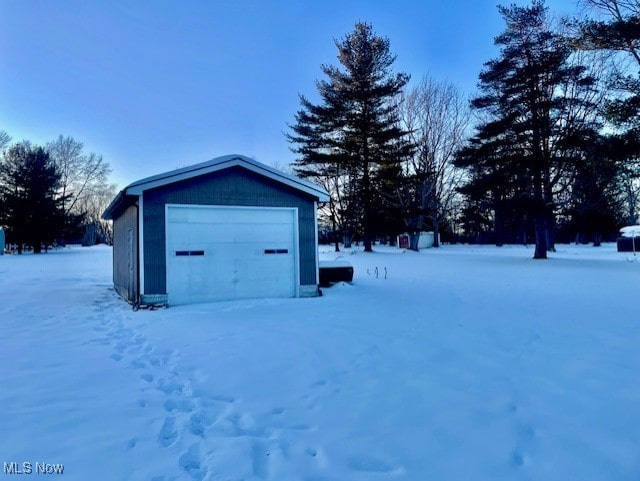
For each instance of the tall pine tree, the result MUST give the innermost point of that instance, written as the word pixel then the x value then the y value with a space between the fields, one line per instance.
pixel 539 115
pixel 355 129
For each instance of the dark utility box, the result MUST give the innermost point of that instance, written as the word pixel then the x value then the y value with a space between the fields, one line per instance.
pixel 335 271
pixel 625 244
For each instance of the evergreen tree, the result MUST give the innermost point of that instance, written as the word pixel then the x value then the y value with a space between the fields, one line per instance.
pixel 618 31
pixel 539 115
pixel 354 130
pixel 614 31
pixel 596 195
pixel 493 189
pixel 31 209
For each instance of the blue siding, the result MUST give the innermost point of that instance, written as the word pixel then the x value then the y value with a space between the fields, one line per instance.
pixel 233 186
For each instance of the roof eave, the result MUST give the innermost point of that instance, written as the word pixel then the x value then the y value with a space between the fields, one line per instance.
pixel 214 165
pixel 118 203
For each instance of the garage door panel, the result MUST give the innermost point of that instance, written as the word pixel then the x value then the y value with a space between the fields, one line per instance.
pixel 247 253
pixel 233 232
pixel 234 215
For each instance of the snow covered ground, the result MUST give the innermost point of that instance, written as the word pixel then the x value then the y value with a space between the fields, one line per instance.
pixel 465 363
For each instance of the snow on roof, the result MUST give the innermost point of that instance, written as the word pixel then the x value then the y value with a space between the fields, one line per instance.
pixel 213 165
pixel 630 231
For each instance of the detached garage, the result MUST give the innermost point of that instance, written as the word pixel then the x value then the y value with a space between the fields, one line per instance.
pixel 229 228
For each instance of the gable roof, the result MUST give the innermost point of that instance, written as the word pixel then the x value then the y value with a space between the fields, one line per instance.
pixel 128 195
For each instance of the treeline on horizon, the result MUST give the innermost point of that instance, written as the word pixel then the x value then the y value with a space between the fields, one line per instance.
pixel 546 151
pixel 52 195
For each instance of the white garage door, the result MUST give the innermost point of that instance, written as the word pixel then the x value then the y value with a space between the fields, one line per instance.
pixel 220 253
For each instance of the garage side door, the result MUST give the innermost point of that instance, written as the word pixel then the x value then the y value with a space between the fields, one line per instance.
pixel 222 253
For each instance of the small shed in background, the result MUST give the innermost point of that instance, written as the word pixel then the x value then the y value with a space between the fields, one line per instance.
pixel 229 228
pixel 629 239
pixel 425 240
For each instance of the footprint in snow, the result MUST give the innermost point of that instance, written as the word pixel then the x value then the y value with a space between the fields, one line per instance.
pixel 170 386
pixel 517 459
pixel 168 432
pixel 181 405
pixel 138 364
pixel 260 460
pixel 154 361
pixel 526 432
pixel 191 462
pixel 319 458
pixel 199 422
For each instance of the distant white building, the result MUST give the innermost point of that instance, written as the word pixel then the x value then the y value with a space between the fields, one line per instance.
pixel 425 240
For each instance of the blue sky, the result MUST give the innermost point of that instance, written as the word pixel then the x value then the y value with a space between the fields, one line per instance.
pixel 154 85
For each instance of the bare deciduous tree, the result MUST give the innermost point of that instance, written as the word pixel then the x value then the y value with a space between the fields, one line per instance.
pixel 92 206
pixel 5 138
pixel 437 117
pixel 83 175
pixel 85 189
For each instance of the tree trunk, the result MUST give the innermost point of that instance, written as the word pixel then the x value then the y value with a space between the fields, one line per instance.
pixel 414 237
pixel 597 240
pixel 367 238
pixel 551 233
pixel 541 239
pixel 436 233
pixel 498 227
pixel 346 240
